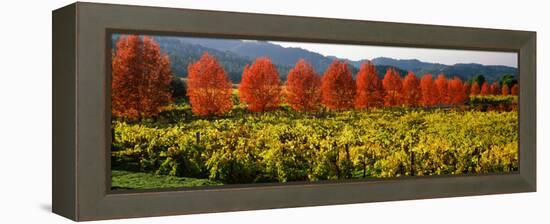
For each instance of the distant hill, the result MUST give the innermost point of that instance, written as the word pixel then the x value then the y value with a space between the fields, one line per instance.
pixel 235 54
pixel 183 53
pixel 284 58
pixel 253 49
pixel 464 71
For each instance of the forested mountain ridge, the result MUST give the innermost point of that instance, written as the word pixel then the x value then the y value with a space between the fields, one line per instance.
pixel 183 52
pixel 462 70
pixel 234 55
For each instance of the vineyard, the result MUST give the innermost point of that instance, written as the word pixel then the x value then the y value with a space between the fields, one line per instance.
pixel 206 130
pixel 284 145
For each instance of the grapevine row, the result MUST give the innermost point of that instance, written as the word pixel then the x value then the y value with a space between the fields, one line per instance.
pixel 282 146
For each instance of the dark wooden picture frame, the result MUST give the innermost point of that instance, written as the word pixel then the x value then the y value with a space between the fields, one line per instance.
pixel 81 110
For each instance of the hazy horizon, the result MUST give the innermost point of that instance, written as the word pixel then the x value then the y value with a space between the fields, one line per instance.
pixel 441 56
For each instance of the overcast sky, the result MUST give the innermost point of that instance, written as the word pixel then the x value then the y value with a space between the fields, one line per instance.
pixel 443 56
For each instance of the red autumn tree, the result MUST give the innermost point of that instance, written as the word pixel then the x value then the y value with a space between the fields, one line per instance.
pixel 485 89
pixel 430 94
pixel 411 92
pixel 443 89
pixel 467 88
pixel 456 91
pixel 303 87
pixel 495 88
pixel 475 89
pixel 369 90
pixel 392 87
pixel 492 89
pixel 337 87
pixel 260 86
pixel 208 87
pixel 141 78
pixel 515 90
pixel 505 90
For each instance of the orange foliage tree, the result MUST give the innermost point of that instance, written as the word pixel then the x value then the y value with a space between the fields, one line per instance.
pixel 337 87
pixel 260 86
pixel 515 90
pixel 411 90
pixel 369 90
pixel 392 86
pixel 495 88
pixel 467 88
pixel 141 78
pixel 209 89
pixel 456 91
pixel 430 94
pixel 303 91
pixel 505 90
pixel 475 89
pixel 443 89
pixel 485 89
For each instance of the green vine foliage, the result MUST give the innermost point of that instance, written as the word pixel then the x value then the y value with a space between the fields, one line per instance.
pixel 284 145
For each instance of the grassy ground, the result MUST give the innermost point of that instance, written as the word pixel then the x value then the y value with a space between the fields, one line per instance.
pixel 135 180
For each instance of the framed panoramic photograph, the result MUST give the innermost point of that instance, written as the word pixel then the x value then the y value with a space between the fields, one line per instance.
pixel 191 111
pixel 202 111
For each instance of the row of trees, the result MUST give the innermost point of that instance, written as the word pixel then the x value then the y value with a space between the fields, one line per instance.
pixel 141 85
pixel 493 89
pixel 209 90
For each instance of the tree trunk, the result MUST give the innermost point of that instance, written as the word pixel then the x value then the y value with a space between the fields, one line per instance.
pixel 334 146
pixel 364 167
pixel 412 162
pixel 198 137
pixel 348 162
